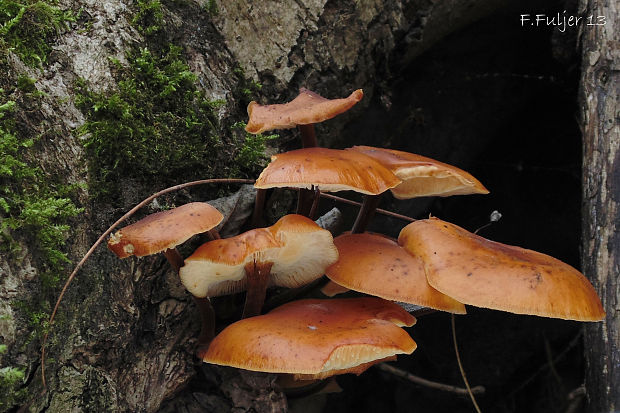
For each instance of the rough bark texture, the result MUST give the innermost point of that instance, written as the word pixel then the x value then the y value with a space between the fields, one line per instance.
pixel 126 332
pixel 600 114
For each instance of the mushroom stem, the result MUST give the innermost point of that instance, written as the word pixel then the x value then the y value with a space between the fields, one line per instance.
pixel 207 314
pixel 174 259
pixel 213 234
pixel 258 278
pixel 207 318
pixel 259 207
pixel 305 198
pixel 365 213
pixel 315 203
pixel 308 135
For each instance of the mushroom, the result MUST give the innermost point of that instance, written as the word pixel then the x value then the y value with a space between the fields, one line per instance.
pixel 423 176
pixel 162 232
pixel 376 265
pixel 420 177
pixel 304 111
pixel 327 170
pixel 291 253
pixel 315 338
pixel 483 273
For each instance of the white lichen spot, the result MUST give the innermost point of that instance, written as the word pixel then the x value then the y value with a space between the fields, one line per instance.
pixel 115 238
pixel 312 327
pixel 128 248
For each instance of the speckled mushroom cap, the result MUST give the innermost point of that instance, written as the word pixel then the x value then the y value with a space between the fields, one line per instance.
pixel 329 170
pixel 315 338
pixel 376 265
pixel 423 176
pixel 299 249
pixel 484 273
pixel 308 107
pixel 163 230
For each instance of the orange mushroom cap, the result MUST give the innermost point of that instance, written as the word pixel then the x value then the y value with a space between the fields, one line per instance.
pixel 329 170
pixel 484 273
pixel 299 249
pixel 163 230
pixel 308 107
pixel 376 265
pixel 423 176
pixel 315 338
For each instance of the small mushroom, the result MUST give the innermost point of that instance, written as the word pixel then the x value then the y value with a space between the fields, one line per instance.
pixel 315 338
pixel 162 232
pixel 291 253
pixel 483 273
pixel 420 176
pixel 376 265
pixel 306 109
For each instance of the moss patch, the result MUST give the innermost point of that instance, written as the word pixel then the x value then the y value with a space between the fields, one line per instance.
pixel 29 27
pixel 158 124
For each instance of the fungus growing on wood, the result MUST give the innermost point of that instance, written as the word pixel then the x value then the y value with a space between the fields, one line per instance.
pixel 420 177
pixel 315 338
pixel 376 265
pixel 328 170
pixel 304 111
pixel 483 273
pixel 162 232
pixel 291 253
pixel 423 176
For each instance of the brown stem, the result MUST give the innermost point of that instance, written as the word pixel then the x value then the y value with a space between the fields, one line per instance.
pixel 213 234
pixel 315 203
pixel 207 314
pixel 258 278
pixel 174 259
pixel 259 207
pixel 378 210
pixel 105 235
pixel 207 328
pixel 365 213
pixel 308 136
pixel 305 198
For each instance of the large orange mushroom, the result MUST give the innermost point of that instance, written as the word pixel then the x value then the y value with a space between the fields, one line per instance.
pixel 483 273
pixel 376 265
pixel 291 253
pixel 315 338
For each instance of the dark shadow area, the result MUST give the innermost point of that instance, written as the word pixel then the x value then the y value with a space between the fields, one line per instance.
pixel 498 100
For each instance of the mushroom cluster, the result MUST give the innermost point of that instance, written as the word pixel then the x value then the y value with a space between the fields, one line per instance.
pixel 432 264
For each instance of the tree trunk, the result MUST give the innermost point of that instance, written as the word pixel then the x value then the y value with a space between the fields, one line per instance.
pixel 600 88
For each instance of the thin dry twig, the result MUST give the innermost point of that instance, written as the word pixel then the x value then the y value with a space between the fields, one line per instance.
pixel 359 204
pixel 428 383
pixel 104 236
pixel 458 360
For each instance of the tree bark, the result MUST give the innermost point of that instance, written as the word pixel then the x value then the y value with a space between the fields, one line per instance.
pixel 600 88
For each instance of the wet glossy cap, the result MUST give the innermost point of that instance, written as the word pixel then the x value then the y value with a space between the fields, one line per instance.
pixel 315 338
pixel 376 265
pixel 330 170
pixel 163 230
pixel 483 273
pixel 299 249
pixel 423 176
pixel 308 107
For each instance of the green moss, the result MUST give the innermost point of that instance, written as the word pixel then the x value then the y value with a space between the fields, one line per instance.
pixel 158 124
pixel 31 205
pixel 251 155
pixel 11 379
pixel 149 16
pixel 29 28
